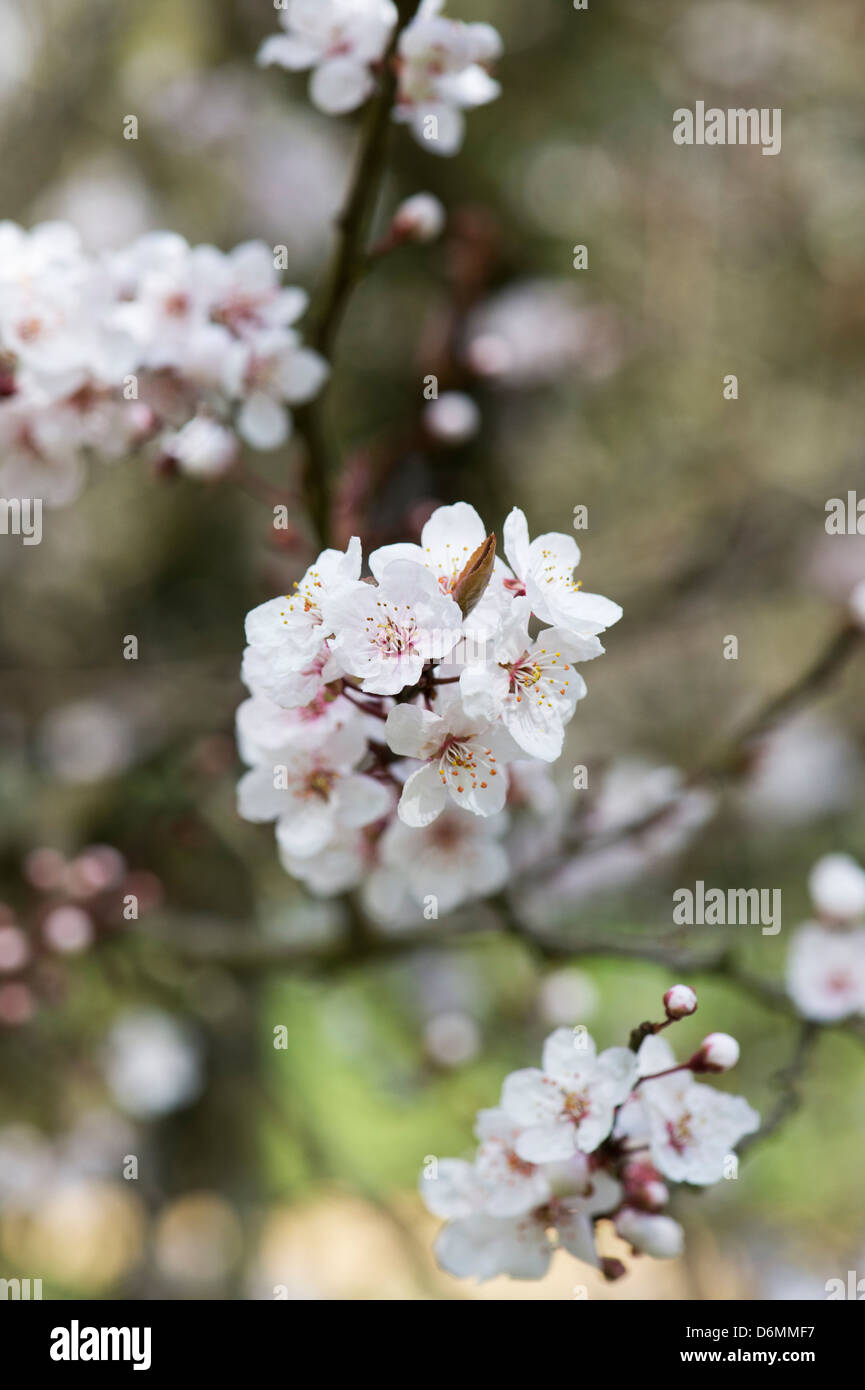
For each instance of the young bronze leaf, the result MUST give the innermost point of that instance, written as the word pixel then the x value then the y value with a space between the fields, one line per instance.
pixel 475 577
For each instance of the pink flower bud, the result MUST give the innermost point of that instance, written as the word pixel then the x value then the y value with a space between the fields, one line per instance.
pixel 717 1052
pixel 680 1001
pixel 68 929
pixel 421 218
pixel 14 949
pixel 644 1187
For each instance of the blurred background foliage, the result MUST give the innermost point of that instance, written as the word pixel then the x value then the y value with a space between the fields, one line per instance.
pixel 295 1168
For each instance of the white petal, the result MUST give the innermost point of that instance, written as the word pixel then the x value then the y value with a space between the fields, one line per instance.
pixel 581 613
pixel 423 797
pixel 303 375
pixel 402 550
pixel 546 1143
pixel 257 798
pixel 516 540
pixel 306 828
pixel 530 1098
pixel 454 1192
pixel 360 800
pixel 288 52
pixel 413 732
pixel 263 422
pixel 577 1236
pixel 454 531
pixel 483 690
pixel 340 85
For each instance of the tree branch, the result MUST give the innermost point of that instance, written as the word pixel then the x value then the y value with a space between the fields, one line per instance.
pixel 349 264
pixel 789 1081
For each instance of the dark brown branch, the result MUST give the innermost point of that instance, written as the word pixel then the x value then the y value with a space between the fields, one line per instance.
pixel 789 1080
pixel 349 265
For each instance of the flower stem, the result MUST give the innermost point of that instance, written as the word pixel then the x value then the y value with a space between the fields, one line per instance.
pixel 349 265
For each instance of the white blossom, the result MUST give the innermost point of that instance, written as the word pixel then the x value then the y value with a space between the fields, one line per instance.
pixel 384 634
pixel 451 861
pixel 434 704
pixel 462 758
pixel 826 972
pixel 527 1192
pixel 691 1127
pixel 178 350
pixel 570 1103
pixel 313 794
pixel 339 40
pixel 544 570
pixel 441 63
pixel 531 686
pixel 837 887
pixel 442 72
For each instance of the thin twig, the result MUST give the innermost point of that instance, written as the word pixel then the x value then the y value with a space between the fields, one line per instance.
pixel 220 944
pixel 349 265
pixel 789 1080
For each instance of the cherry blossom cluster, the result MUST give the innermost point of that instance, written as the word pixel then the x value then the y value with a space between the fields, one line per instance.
pixel 391 718
pixel 588 1136
pixel 178 348
pixel 826 965
pixel 70 904
pixel 441 64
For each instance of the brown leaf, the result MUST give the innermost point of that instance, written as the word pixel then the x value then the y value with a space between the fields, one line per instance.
pixel 471 583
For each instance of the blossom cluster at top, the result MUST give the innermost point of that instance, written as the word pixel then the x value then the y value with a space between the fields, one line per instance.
pixel 441 63
pixel 161 344
pixel 587 1136
pixel 826 966
pixel 392 718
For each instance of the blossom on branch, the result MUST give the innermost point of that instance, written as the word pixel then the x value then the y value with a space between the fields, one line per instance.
pixel 441 64
pixel 428 667
pixel 182 351
pixel 591 1136
pixel 826 965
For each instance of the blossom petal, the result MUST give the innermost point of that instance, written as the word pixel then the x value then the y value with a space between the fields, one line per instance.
pixel 423 797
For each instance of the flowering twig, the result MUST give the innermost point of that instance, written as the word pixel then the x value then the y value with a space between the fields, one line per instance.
pixel 219 943
pixel 733 758
pixel 349 265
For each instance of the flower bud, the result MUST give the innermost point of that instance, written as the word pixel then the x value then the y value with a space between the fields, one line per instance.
pixel 644 1187
pixel 68 929
pixel 420 218
pixel 680 1001
pixel 452 418
pixel 837 887
pixel 14 949
pixel 658 1236
pixel 717 1052
pixel 202 448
